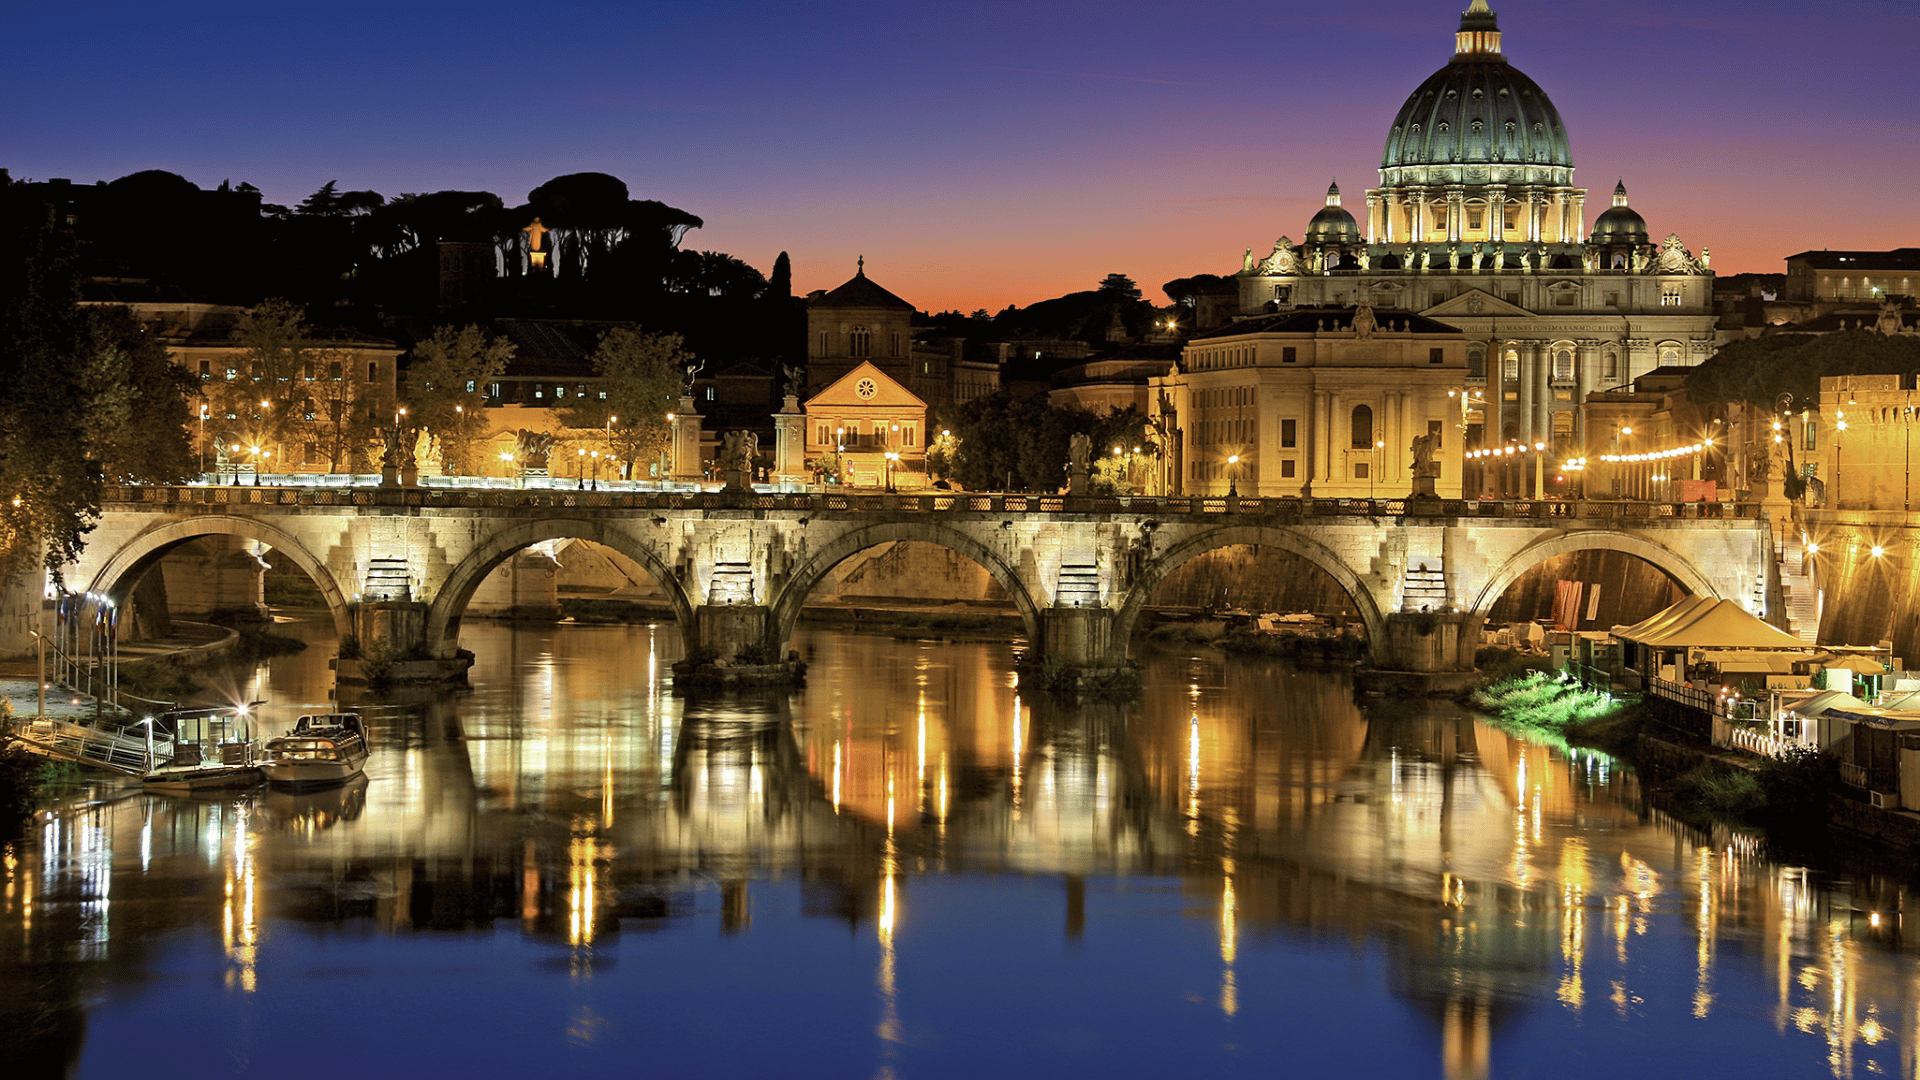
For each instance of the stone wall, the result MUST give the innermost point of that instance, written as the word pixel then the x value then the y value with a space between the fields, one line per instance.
pixel 1253 579
pixel 1630 589
pixel 1867 599
pixel 910 570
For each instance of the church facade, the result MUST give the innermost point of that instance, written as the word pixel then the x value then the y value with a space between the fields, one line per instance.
pixel 1477 224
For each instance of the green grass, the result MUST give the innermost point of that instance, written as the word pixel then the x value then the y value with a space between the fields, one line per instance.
pixel 1561 712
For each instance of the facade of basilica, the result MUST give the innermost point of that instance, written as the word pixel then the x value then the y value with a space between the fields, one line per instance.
pixel 1476 226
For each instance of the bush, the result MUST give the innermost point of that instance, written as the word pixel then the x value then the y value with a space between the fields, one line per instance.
pixel 1795 786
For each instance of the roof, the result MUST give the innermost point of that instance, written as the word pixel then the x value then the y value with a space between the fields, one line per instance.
pixel 1897 259
pixel 843 394
pixel 1329 321
pixel 861 292
pixel 1703 622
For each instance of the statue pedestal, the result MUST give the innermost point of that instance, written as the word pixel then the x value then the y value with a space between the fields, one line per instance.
pixel 389 476
pixel 738 480
pixel 789 443
pixel 1423 488
pixel 1077 480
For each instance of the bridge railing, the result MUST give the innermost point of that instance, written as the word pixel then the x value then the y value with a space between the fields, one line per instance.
pixel 932 502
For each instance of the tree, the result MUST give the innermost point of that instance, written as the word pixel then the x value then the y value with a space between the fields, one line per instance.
pixel 1121 284
pixel 140 426
pixel 346 421
pixel 447 390
pixel 49 488
pixel 642 378
pixel 269 395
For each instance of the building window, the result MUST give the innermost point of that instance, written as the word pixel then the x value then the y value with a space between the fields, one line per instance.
pixel 1288 354
pixel 859 342
pixel 1513 298
pixel 1436 356
pixel 1289 431
pixel 206 370
pixel 896 344
pixel 1612 364
pixel 1564 299
pixel 1361 470
pixel 1438 299
pixel 373 371
pixel 560 393
pixel 1434 427
pixel 1613 299
pixel 1476 364
pixel 334 372
pixel 1286 469
pixel 1563 364
pixel 1670 295
pixel 1362 427
pixel 1512 365
pixel 909 435
pixel 493 391
pixel 823 344
pixel 306 371
pixel 1807 430
pixel 1669 355
pixel 1282 293
pixel 539 391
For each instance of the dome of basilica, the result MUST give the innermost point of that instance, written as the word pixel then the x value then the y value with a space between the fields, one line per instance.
pixel 1478 110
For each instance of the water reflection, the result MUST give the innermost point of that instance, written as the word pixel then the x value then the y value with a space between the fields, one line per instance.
pixel 1246 838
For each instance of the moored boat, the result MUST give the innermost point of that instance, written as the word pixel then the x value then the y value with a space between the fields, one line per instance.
pixel 322 748
pixel 208 748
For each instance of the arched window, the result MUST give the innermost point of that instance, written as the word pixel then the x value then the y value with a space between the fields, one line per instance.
pixel 1619 260
pixel 1512 364
pixel 1362 427
pixel 1612 364
pixel 1476 364
pixel 1563 362
pixel 859 342
pixel 1669 354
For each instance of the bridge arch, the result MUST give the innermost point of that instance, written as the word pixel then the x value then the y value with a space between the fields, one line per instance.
pixel 808 575
pixel 450 602
pixel 117 576
pixel 1193 545
pixel 1567 541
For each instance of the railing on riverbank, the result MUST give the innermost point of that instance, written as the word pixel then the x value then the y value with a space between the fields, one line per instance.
pixel 1730 735
pixel 105 747
pixel 922 503
pixel 1693 697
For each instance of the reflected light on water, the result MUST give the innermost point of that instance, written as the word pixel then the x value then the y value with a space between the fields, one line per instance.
pixel 239 920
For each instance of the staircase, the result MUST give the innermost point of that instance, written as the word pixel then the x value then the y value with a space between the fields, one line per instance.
pixel 1423 589
pixel 108 748
pixel 388 580
pixel 1801 597
pixel 1079 586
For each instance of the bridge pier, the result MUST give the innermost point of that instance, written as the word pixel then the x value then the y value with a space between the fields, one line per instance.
pixel 1424 652
pixel 393 647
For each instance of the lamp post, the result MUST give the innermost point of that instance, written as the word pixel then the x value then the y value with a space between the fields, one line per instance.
pixel 1840 426
pixel 202 440
pixel 893 457
pixel 1539 470
pixel 1233 476
pixel 1373 473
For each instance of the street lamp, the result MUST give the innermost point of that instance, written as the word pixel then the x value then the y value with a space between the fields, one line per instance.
pixel 1373 473
pixel 1233 476
pixel 202 440
pixel 1540 470
pixel 893 457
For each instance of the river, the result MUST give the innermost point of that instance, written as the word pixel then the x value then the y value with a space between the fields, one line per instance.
pixel 908 870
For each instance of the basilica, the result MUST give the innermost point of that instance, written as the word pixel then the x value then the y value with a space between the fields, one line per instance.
pixel 1476 227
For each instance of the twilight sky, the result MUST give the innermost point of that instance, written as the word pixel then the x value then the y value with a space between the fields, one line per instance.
pixel 980 153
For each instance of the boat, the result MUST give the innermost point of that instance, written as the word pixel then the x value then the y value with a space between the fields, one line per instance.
pixel 205 748
pixel 321 748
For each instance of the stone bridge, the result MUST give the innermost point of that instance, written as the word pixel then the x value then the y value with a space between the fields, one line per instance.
pixel 398 566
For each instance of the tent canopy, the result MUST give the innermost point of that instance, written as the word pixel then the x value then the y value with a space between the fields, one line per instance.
pixel 1699 622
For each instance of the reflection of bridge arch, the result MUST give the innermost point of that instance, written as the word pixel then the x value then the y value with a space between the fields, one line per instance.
pixel 450 601
pixel 1566 542
pixel 1194 545
pixel 808 575
pixel 123 570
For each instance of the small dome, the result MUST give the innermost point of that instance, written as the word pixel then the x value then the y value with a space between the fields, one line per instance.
pixel 1333 225
pixel 1620 223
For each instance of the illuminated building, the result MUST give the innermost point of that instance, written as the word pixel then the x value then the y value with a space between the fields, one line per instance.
pixel 1477 224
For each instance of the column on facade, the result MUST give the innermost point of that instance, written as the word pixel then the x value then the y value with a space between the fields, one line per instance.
pixel 1317 440
pixel 1523 416
pixel 1496 395
pixel 1543 392
pixel 1340 433
pixel 1456 209
pixel 1389 205
pixel 1373 218
pixel 1497 214
pixel 1579 219
pixel 1585 356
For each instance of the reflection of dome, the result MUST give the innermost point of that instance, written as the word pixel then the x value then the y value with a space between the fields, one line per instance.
pixel 1477 109
pixel 1620 223
pixel 1333 225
